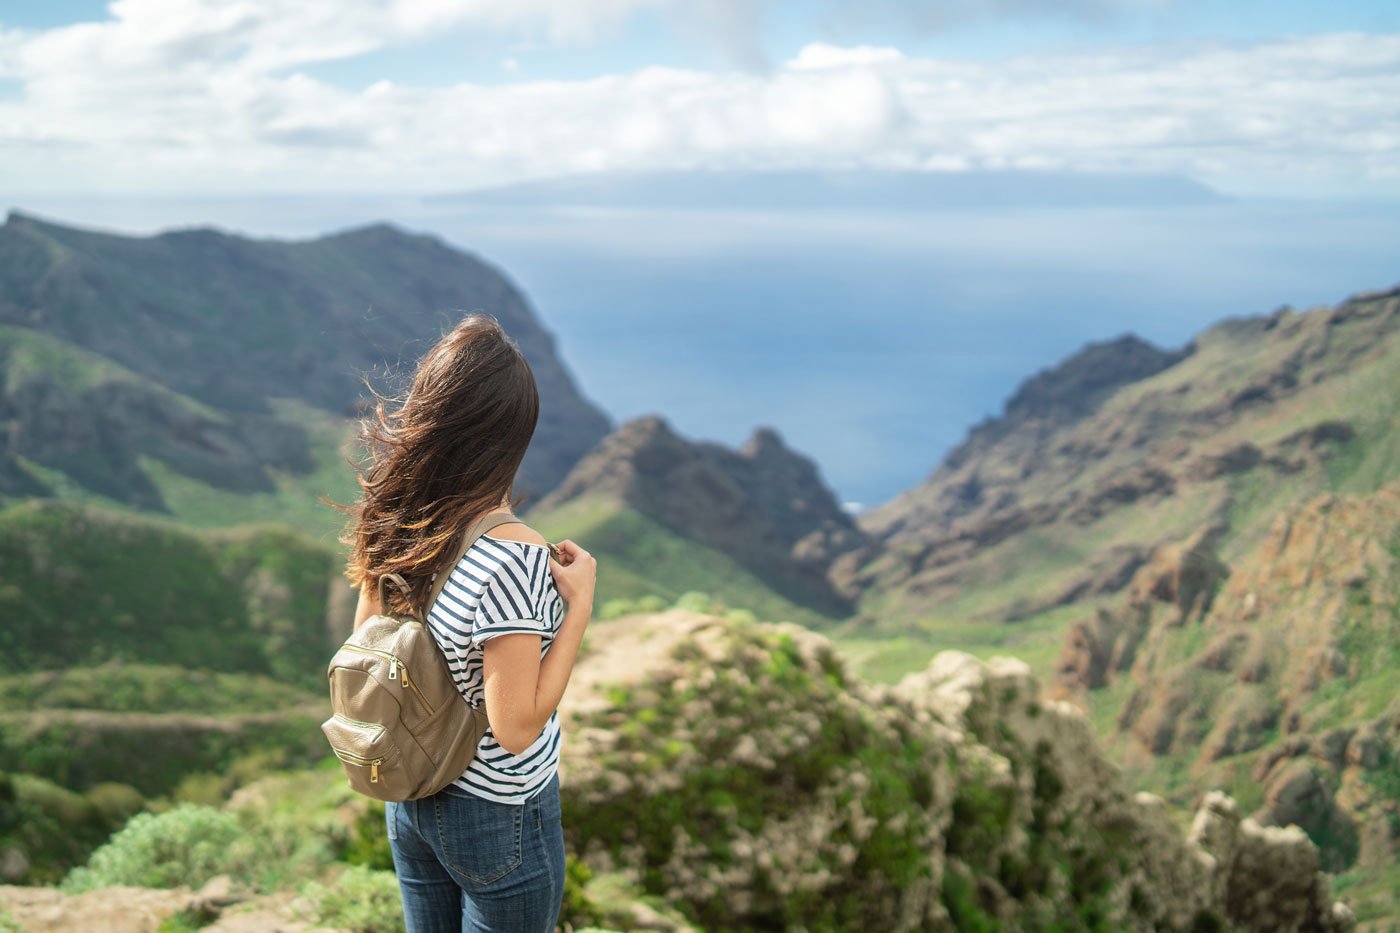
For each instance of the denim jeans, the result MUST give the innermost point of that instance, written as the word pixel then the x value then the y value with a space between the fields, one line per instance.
pixel 468 863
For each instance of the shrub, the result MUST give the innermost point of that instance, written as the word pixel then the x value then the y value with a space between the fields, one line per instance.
pixel 578 909
pixel 187 845
pixel 695 601
pixel 616 608
pixel 360 899
pixel 651 603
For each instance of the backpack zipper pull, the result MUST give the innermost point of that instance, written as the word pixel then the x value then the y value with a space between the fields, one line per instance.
pixel 394 669
pixel 374 771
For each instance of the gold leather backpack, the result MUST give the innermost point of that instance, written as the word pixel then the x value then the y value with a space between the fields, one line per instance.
pixel 400 727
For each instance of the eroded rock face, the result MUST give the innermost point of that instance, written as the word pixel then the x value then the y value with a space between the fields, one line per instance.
pixel 1285 636
pixel 742 773
pixel 765 504
pixel 1123 447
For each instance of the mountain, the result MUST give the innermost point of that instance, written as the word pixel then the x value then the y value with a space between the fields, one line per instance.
pixel 1197 547
pixel 761 511
pixel 1277 674
pixel 842 190
pixel 1123 448
pixel 180 347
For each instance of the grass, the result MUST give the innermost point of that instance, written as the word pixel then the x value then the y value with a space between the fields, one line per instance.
pixel 886 657
pixel 149 688
pixel 27 354
pixel 639 556
pixel 294 501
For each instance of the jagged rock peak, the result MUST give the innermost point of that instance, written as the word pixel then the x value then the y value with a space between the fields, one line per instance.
pixel 1072 389
pixel 764 441
pixel 765 504
pixel 649 427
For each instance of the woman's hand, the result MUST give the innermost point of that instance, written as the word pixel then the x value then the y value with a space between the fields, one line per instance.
pixel 575 575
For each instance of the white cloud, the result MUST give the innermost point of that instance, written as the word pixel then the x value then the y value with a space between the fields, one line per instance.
pixel 206 95
pixel 820 55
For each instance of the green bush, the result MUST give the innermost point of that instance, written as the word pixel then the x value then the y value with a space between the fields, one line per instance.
pixel 360 899
pixel 651 603
pixel 616 608
pixel 56 828
pixel 187 845
pixel 578 909
pixel 695 601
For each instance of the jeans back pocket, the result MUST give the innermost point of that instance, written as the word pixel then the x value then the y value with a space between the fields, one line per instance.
pixel 480 838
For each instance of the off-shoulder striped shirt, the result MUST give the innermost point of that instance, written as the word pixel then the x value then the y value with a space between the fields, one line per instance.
pixel 498 587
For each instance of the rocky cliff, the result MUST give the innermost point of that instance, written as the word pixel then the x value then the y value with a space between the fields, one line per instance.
pixel 1279 671
pixel 225 325
pixel 1122 448
pixel 764 505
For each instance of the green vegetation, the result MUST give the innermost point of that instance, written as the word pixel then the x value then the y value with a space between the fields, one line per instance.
pixel 713 801
pixel 153 753
pixel 187 845
pixel 85 585
pixel 640 557
pixel 149 688
pixel 55 828
pixel 359 899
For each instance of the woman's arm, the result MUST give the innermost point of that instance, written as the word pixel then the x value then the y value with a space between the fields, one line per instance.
pixel 369 605
pixel 522 689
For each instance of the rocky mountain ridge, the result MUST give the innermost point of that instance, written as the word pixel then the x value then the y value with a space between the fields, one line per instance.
pixel 764 504
pixel 766 787
pixel 182 340
pixel 1124 447
pixel 1278 670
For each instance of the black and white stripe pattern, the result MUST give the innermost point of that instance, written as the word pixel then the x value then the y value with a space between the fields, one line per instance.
pixel 498 587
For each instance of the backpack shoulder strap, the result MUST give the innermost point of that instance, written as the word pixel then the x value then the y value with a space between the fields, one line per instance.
pixel 475 530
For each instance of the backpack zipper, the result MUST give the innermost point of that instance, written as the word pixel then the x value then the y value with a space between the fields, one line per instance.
pixel 394 666
pixel 354 759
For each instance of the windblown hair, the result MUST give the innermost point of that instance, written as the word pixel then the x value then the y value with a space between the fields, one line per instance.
pixel 446 454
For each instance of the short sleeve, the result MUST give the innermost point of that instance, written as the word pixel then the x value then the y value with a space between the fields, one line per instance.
pixel 513 599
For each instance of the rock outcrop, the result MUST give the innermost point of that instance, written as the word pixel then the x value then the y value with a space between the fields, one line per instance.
pixel 764 504
pixel 741 773
pixel 1286 658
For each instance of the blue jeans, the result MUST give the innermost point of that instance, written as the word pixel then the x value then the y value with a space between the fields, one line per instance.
pixel 468 863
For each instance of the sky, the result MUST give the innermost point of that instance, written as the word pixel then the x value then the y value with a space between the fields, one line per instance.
pixel 139 97
pixel 871 340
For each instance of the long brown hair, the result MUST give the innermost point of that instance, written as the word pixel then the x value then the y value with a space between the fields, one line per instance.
pixel 445 455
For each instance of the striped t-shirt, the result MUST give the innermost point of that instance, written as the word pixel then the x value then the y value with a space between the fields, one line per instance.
pixel 498 587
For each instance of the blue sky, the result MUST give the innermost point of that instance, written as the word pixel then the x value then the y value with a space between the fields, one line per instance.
pixel 650 37
pixel 292 117
pixel 277 96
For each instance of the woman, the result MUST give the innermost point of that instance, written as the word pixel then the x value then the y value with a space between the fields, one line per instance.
pixel 487 851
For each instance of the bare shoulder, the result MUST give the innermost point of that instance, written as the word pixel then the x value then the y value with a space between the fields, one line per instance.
pixel 517 531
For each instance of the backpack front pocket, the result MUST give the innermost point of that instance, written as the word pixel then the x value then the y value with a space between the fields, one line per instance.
pixel 373 764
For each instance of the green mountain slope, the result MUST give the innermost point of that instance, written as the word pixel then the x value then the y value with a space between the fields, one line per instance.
pixel 1276 674
pixel 81 585
pixel 1057 506
pixel 233 323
